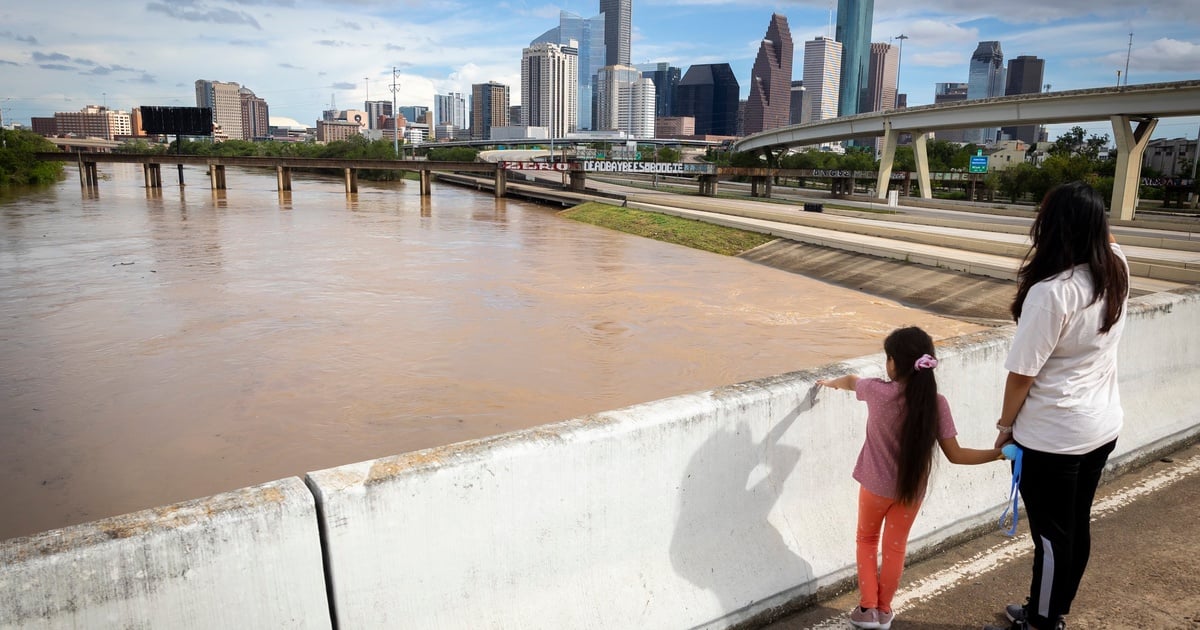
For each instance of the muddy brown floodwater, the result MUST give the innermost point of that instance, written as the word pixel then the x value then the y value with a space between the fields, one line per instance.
pixel 162 348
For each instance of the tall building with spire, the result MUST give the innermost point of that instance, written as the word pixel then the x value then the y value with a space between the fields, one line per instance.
pixel 822 79
pixel 550 88
pixel 770 97
pixel 618 30
pixel 588 35
pixel 1024 77
pixel 854 18
pixel 986 79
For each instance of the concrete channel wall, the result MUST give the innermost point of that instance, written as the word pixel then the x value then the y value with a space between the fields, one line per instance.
pixel 698 511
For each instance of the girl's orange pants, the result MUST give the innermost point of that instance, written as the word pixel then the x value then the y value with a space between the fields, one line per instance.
pixel 877 582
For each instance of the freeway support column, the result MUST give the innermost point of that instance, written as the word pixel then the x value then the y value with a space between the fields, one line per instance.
pixel 1131 144
pixel 887 157
pixel 283 178
pixel 501 181
pixel 921 157
pixel 351 180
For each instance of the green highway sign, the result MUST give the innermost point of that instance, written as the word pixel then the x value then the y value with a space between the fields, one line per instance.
pixel 979 164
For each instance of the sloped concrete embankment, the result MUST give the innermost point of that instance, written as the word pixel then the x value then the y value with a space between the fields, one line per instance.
pixel 703 510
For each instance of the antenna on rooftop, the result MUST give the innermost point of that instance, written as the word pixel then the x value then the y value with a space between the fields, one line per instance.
pixel 830 31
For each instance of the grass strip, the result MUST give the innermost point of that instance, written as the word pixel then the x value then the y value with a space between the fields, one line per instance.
pixel 671 229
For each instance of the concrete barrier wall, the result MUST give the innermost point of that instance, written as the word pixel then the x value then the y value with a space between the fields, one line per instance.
pixel 244 559
pixel 700 510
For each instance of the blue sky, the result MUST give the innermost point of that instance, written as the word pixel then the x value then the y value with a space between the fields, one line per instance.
pixel 301 55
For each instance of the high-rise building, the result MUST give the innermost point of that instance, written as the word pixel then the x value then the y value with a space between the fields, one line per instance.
pixel 854 19
pixel 415 113
pixel 822 79
pixel 94 121
pixel 666 80
pixel 986 80
pixel 950 93
pixel 770 98
pixel 881 79
pixel 550 88
pixel 588 35
pixel 709 94
pixel 450 109
pixel 625 101
pixel 797 103
pixel 226 102
pixel 1024 77
pixel 489 108
pixel 618 31
pixel 256 118
pixel 377 112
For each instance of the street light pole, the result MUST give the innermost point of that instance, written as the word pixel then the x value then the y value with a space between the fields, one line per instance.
pixel 395 110
pixel 899 60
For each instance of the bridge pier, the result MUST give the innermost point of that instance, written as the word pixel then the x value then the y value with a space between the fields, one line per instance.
pixel 887 158
pixel 283 178
pixel 89 176
pixel 578 181
pixel 501 182
pixel 216 176
pixel 1131 145
pixel 152 173
pixel 708 185
pixel 351 180
pixel 761 186
pixel 921 156
pixel 426 182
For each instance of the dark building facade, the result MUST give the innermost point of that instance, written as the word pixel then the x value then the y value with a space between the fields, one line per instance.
pixel 797 102
pixel 666 82
pixel 709 94
pixel 618 31
pixel 489 108
pixel 1024 77
pixel 770 99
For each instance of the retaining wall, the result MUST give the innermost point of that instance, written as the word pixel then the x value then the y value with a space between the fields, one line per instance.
pixel 703 510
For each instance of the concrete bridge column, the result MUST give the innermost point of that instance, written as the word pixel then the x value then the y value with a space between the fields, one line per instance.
pixel 887 157
pixel 708 185
pixel 283 178
pixel 216 176
pixel 1131 144
pixel 426 183
pixel 578 180
pixel 351 180
pixel 89 176
pixel 921 156
pixel 501 182
pixel 153 175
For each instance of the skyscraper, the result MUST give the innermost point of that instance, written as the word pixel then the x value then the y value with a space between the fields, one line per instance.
pixel 255 115
pixel 771 79
pixel 881 79
pixel 377 112
pixel 625 101
pixel 450 109
pixel 226 102
pixel 822 78
pixel 550 88
pixel 797 104
pixel 986 80
pixel 618 30
pixel 666 80
pixel 709 94
pixel 489 108
pixel 950 93
pixel 1024 77
pixel 854 32
pixel 588 35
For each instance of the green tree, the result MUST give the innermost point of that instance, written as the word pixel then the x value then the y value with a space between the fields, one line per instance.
pixel 453 154
pixel 19 167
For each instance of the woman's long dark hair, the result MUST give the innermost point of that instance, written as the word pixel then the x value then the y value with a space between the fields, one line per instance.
pixel 1071 229
pixel 919 432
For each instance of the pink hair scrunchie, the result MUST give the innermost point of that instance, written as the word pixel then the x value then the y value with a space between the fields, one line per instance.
pixel 926 362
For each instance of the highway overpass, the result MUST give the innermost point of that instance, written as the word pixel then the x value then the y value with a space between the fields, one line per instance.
pixel 1133 110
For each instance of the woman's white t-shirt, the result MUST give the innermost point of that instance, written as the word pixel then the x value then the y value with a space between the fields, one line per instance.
pixel 1074 406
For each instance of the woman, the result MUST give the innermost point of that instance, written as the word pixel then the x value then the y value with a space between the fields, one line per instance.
pixel 1061 403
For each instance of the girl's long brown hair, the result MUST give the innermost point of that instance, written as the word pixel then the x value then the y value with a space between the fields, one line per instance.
pixel 919 431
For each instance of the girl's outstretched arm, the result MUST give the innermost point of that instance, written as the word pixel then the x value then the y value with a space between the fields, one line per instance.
pixel 963 455
pixel 849 381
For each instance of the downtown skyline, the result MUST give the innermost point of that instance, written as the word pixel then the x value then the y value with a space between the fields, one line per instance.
pixel 304 57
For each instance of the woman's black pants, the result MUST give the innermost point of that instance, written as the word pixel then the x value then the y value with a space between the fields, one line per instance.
pixel 1057 491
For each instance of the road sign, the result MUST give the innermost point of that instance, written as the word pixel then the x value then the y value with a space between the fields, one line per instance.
pixel 979 164
pixel 637 156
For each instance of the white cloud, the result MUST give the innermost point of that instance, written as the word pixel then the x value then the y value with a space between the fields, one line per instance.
pixel 941 59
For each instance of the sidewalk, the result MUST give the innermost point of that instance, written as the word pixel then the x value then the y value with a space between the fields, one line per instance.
pixel 1144 570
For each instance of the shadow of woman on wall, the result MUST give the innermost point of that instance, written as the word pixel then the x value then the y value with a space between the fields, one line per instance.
pixel 724 541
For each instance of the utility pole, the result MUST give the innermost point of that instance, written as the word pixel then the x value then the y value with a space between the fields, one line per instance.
pixel 395 127
pixel 899 60
pixel 1127 54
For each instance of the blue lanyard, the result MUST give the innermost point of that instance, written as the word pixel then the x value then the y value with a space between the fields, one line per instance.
pixel 1013 452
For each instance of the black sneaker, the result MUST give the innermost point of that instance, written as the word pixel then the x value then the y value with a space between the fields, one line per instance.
pixel 1015 613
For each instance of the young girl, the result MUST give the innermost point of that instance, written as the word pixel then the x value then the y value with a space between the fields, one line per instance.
pixel 905 418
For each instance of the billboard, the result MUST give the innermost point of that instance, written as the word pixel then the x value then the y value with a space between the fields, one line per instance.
pixel 188 121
